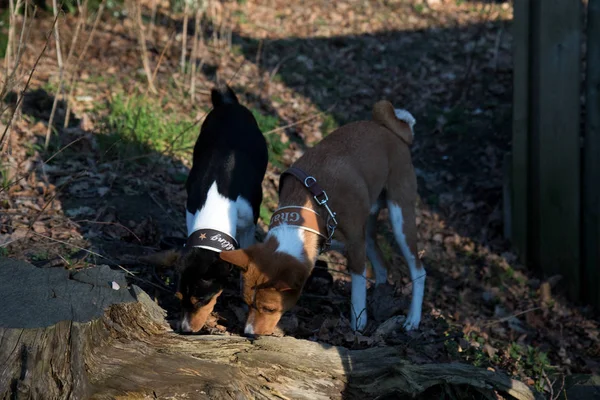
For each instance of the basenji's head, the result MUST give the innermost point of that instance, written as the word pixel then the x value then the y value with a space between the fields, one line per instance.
pixel 272 285
pixel 202 277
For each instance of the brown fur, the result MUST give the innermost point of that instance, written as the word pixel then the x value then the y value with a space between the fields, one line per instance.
pixel 383 112
pixel 354 164
pixel 198 317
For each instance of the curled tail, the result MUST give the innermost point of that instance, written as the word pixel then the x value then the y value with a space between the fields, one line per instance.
pixel 223 95
pixel 397 120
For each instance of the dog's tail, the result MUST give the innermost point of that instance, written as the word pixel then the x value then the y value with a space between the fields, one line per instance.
pixel 397 120
pixel 223 95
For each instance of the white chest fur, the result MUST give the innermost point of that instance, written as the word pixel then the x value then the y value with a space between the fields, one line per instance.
pixel 234 218
pixel 291 240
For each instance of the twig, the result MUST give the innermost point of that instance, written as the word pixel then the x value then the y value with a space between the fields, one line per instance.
pixel 22 94
pixel 62 149
pixel 110 223
pixel 10 69
pixel 550 388
pixel 281 128
pixel 152 18
pixel 166 213
pixel 61 68
pixel 137 9
pixel 134 276
pixel 72 82
pixel 186 11
pixel 236 72
pixel 61 71
pixel 162 54
pixel 197 28
pixel 79 175
pixel 20 49
pixel 44 162
pixel 171 146
pixel 510 317
pixel 497 49
pixel 466 85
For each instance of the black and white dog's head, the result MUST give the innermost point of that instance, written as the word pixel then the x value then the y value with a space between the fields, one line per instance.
pixel 202 277
pixel 224 191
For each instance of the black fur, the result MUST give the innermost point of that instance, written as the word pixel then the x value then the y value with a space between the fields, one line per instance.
pixel 232 151
pixel 203 274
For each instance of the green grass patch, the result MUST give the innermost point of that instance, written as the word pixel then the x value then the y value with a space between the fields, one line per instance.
pixel 4 22
pixel 265 214
pixel 138 126
pixel 5 182
pixel 328 125
pixel 267 123
pixel 532 362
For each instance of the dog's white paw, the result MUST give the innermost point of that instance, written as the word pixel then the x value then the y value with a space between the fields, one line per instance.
pixel 358 322
pixel 412 321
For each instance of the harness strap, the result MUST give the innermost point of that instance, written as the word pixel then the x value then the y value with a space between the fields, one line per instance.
pixel 309 181
pixel 320 196
pixel 301 217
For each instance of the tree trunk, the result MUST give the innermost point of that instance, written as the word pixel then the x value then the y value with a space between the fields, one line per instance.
pixel 75 335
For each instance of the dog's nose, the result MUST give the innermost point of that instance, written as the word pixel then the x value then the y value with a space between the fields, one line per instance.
pixel 249 331
pixel 185 326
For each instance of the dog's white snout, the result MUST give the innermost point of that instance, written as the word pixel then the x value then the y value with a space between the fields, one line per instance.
pixel 185 324
pixel 249 329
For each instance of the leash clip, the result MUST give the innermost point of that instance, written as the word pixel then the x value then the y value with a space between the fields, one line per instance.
pixel 322 199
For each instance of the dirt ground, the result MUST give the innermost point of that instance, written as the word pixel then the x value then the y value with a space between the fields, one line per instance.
pixel 99 196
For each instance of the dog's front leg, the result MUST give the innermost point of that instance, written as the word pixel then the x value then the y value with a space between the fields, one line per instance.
pixel 358 308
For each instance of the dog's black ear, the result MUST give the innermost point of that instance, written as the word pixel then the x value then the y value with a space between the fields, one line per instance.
pixel 223 94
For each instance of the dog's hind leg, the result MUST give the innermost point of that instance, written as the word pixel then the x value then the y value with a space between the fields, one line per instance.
pixel 374 253
pixel 355 254
pixel 405 232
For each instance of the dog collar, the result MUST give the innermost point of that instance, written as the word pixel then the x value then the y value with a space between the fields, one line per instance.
pixel 301 217
pixel 212 239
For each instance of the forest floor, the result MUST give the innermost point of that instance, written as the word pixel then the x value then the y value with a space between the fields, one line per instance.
pixel 109 188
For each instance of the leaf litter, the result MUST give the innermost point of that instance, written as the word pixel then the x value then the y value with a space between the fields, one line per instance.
pixel 448 62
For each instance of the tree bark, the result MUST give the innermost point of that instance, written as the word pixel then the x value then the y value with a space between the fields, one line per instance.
pixel 70 334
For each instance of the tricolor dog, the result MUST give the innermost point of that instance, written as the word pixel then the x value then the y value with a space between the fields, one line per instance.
pixel 337 188
pixel 224 191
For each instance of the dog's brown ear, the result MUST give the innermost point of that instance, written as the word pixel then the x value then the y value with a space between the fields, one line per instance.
pixel 291 279
pixel 166 258
pixel 238 258
pixel 282 286
pixel 399 121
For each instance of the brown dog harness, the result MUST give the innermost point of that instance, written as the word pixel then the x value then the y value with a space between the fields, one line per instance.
pixel 303 217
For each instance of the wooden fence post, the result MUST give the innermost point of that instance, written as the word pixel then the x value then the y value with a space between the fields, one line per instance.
pixel 591 164
pixel 556 136
pixel 521 128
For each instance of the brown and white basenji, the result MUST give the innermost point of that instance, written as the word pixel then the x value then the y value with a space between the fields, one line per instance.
pixel 340 184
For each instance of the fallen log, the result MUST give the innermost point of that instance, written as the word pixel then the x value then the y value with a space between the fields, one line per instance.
pixel 87 334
